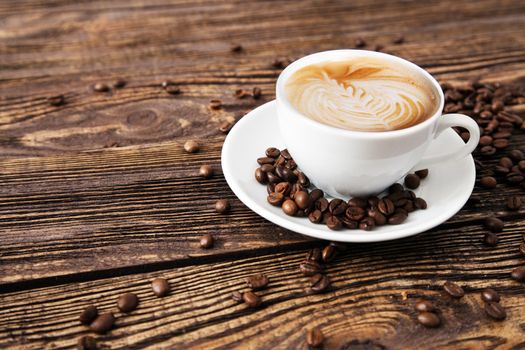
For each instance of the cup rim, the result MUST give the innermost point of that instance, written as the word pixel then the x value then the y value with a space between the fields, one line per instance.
pixel 324 55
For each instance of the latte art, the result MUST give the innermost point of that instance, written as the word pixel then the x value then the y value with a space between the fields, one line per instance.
pixel 361 94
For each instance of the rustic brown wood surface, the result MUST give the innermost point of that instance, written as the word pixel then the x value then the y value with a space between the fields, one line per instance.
pixel 97 197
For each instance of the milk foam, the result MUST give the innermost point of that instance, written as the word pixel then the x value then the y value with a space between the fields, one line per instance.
pixel 361 94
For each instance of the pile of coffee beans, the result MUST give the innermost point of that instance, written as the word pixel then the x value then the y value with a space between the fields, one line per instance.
pixel 493 308
pixel 289 188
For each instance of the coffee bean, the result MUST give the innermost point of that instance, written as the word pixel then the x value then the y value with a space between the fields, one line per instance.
pixel 56 101
pixel 119 83
pixel 516 155
pixel 191 146
pixel 429 319
pixel 397 218
pixel 103 323
pixel 420 203
pixel 237 296
pixel 337 206
pixel 424 306
pixel 322 204
pixel 412 181
pixel 493 224
pixel 487 150
pixel 302 199
pixel 286 154
pixel 160 287
pixel 367 224
pixel 514 177
pixel 225 127
pixel 206 241
pixel 379 218
pixel 215 104
pixel 334 223
pixel 501 143
pixel 256 93
pixel 257 281
pixel 316 194
pixel 354 213
pixel 454 290
pixel 514 203
pixel 272 152
pixel 395 188
pixel 275 198
pixel 319 283
pixel 522 248
pixel 303 179
pixel 490 239
pixel 315 254
pixel 506 162
pixel 500 170
pixel 315 216
pixel 289 207
pixel 267 168
pixel 358 202
pixel 236 48
pixel 127 302
pixel 489 295
pixel 329 253
pixel 251 299
pixel 101 87
pixel 222 206
pixel 502 135
pixel 488 182
pixel 283 187
pixel 89 313
pixel 422 173
pixel 206 171
pixel 86 342
pixel 260 175
pixel 265 160
pixel 398 40
pixel 495 311
pixel 386 206
pixel 485 140
pixel 518 274
pixel 314 337
pixel 373 201
pixel 309 267
pixel 359 42
pixel 172 89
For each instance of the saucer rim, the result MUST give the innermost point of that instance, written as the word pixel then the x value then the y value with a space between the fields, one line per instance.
pixel 340 236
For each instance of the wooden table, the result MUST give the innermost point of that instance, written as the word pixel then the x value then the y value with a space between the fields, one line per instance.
pixel 97 197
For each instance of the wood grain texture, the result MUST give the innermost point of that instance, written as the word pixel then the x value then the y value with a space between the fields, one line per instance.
pixel 97 196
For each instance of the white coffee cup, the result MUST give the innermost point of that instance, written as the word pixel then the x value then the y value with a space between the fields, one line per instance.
pixel 346 163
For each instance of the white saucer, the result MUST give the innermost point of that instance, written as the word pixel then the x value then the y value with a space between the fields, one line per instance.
pixel 446 189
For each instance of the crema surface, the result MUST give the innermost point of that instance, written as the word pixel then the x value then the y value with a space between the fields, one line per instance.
pixel 362 94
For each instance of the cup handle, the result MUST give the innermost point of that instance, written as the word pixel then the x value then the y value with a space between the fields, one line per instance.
pixel 446 121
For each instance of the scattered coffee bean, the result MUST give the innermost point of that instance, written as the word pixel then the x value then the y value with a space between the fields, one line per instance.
pixel 310 267
pixel 398 40
pixel 215 104
pixel 289 207
pixel 518 274
pixel 89 313
pixel 56 101
pixel 206 171
pixel 251 299
pixel 490 239
pixel 319 283
pixel 225 127
pixel 495 311
pixel 424 306
pixel 206 241
pixel 222 206
pixel 454 290
pixel 488 182
pixel 236 48
pixel 172 89
pixel 514 203
pixel 429 319
pixel 237 296
pixel 240 93
pixel 119 83
pixel 315 254
pixel 257 282
pixel 314 337
pixel 256 93
pixel 103 323
pixel 127 302
pixel 422 173
pixel 412 181
pixel 359 42
pixel 489 295
pixel 493 224
pixel 160 287
pixel 191 146
pixel 86 342
pixel 101 87
pixel 329 253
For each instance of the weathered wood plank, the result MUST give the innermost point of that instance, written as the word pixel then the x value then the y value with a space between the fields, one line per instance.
pixel 374 290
